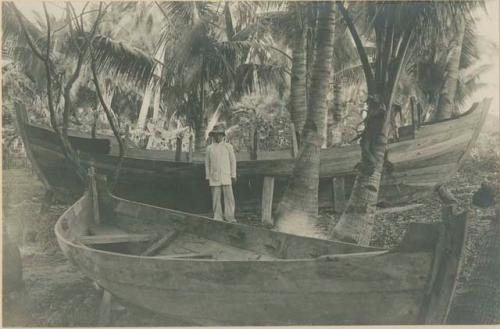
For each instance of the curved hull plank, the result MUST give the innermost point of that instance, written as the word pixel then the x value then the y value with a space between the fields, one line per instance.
pixel 293 280
pixel 154 177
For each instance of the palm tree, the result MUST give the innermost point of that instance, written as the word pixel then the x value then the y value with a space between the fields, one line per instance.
pixel 394 25
pixel 300 199
pixel 217 58
pixel 446 102
pixel 298 82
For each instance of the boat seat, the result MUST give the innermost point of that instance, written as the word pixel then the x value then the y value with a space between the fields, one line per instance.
pixel 107 234
pixel 115 238
pixel 190 256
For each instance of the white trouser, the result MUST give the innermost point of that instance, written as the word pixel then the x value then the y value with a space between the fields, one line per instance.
pixel 227 190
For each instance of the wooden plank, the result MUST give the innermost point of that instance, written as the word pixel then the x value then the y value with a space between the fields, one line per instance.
pixel 293 140
pixel 178 149
pixel 103 229
pixel 255 144
pixel 448 257
pixel 199 255
pixel 414 116
pixel 339 201
pixel 398 209
pixel 95 197
pixel 105 309
pixel 190 150
pixel 267 200
pixel 115 238
pixel 161 243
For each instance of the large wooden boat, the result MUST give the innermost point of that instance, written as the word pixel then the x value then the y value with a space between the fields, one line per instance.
pixel 426 155
pixel 206 272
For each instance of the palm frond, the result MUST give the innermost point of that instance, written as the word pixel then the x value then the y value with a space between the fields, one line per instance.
pixel 11 29
pixel 122 60
pixel 252 77
pixel 349 75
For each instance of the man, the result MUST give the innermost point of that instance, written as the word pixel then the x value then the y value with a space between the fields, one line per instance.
pixel 220 168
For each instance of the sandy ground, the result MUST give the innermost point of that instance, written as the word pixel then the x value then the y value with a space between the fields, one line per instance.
pixel 58 295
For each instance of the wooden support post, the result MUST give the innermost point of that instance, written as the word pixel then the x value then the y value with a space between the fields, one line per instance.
pixel 93 193
pixel 420 112
pixel 178 148
pixel 47 200
pixel 267 201
pixel 190 150
pixel 293 141
pixel 339 201
pixel 414 118
pixel 105 309
pixel 254 146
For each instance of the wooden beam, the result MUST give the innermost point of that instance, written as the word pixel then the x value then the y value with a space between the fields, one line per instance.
pixel 267 200
pixel 191 256
pixel 178 149
pixel 115 238
pixel 293 141
pixel 95 197
pixel 255 144
pixel 161 243
pixel 392 210
pixel 105 309
pixel 190 150
pixel 414 114
pixel 339 201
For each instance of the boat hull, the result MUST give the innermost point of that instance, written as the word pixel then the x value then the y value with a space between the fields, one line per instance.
pixel 349 284
pixel 154 177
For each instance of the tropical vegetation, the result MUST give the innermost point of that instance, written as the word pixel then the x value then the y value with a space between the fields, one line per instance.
pixel 329 73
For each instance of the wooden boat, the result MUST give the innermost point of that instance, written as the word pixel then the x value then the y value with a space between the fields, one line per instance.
pixel 206 272
pixel 426 155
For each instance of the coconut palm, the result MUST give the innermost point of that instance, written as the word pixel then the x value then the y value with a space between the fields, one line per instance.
pixel 394 25
pixel 300 199
pixel 216 59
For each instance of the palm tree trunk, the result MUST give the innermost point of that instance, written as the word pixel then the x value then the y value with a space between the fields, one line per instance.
pixel 300 199
pixel 357 220
pixel 356 223
pixel 445 107
pixel 337 113
pixel 146 101
pixel 200 124
pixel 298 85
pixel 156 102
pixel 153 90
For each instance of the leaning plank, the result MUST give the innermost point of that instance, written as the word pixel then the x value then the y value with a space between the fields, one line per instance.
pixel 115 238
pixel 161 243
pixel 105 309
pixel 398 209
pixel 191 256
pixel 293 136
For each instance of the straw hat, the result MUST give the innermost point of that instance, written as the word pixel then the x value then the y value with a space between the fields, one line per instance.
pixel 219 128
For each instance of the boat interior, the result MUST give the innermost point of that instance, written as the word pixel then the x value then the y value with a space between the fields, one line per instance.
pixel 137 229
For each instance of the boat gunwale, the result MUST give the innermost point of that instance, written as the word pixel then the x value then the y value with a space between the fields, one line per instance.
pixel 326 257
pixel 462 116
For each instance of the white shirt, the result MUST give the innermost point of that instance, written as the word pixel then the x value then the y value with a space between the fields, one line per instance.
pixel 220 164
